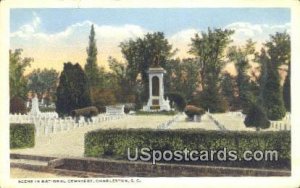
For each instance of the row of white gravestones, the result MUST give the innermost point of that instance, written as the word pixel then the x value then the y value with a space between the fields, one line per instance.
pixel 58 125
pixel 280 126
pixel 29 118
pixel 284 124
pixel 44 125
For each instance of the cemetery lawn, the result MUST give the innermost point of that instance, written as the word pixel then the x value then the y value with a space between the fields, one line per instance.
pixel 70 143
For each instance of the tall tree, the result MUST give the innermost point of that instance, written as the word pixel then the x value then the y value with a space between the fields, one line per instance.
pixel 73 90
pixel 141 53
pixel 183 75
pixel 125 87
pixel 241 58
pixel 287 90
pixel 91 67
pixel 43 82
pixel 228 88
pixel 210 51
pixel 276 55
pixel 17 80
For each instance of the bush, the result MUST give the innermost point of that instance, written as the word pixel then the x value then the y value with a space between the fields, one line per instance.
pixel 17 105
pixel 103 97
pixel 113 143
pixel 191 110
pixel 21 135
pixel 178 99
pixel 256 117
pixel 277 112
pixel 129 107
pixel 86 112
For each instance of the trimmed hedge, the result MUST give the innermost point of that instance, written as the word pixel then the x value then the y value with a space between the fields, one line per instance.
pixel 113 143
pixel 21 135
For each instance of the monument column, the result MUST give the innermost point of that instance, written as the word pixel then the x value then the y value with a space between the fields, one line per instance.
pixel 156 101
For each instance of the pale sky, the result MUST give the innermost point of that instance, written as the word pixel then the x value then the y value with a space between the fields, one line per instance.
pixel 55 36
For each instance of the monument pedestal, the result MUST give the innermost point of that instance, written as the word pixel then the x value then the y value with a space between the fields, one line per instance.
pixel 156 101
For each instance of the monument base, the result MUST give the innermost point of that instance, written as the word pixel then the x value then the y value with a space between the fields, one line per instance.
pixel 164 105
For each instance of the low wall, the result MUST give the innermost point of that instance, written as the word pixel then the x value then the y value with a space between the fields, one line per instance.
pixel 94 167
pixel 143 169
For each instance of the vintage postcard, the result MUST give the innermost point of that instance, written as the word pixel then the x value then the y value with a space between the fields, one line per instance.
pixel 120 93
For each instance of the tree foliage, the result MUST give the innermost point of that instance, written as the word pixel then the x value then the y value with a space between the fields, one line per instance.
pixel 124 87
pixel 91 67
pixel 287 90
pixel 182 75
pixel 209 48
pixel 17 80
pixel 73 90
pixel 228 90
pixel 103 97
pixel 140 54
pixel 210 52
pixel 276 55
pixel 43 82
pixel 17 106
pixel 241 58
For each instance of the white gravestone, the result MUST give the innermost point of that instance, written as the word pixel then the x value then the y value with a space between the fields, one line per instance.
pixel 35 106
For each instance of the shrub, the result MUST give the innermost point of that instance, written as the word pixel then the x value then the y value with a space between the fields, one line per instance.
pixel 191 110
pixel 114 143
pixel 86 112
pixel 17 105
pixel 21 135
pixel 178 99
pixel 103 97
pixel 256 117
pixel 128 107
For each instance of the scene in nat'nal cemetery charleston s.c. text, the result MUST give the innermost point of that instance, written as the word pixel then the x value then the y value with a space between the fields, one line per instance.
pixel 165 92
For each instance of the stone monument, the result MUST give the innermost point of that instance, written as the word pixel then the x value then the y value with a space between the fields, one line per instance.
pixel 156 101
pixel 35 106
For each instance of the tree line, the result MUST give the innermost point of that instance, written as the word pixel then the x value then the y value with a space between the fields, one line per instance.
pixel 200 81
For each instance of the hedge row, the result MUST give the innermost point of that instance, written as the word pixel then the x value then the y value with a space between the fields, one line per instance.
pixel 113 143
pixel 21 135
